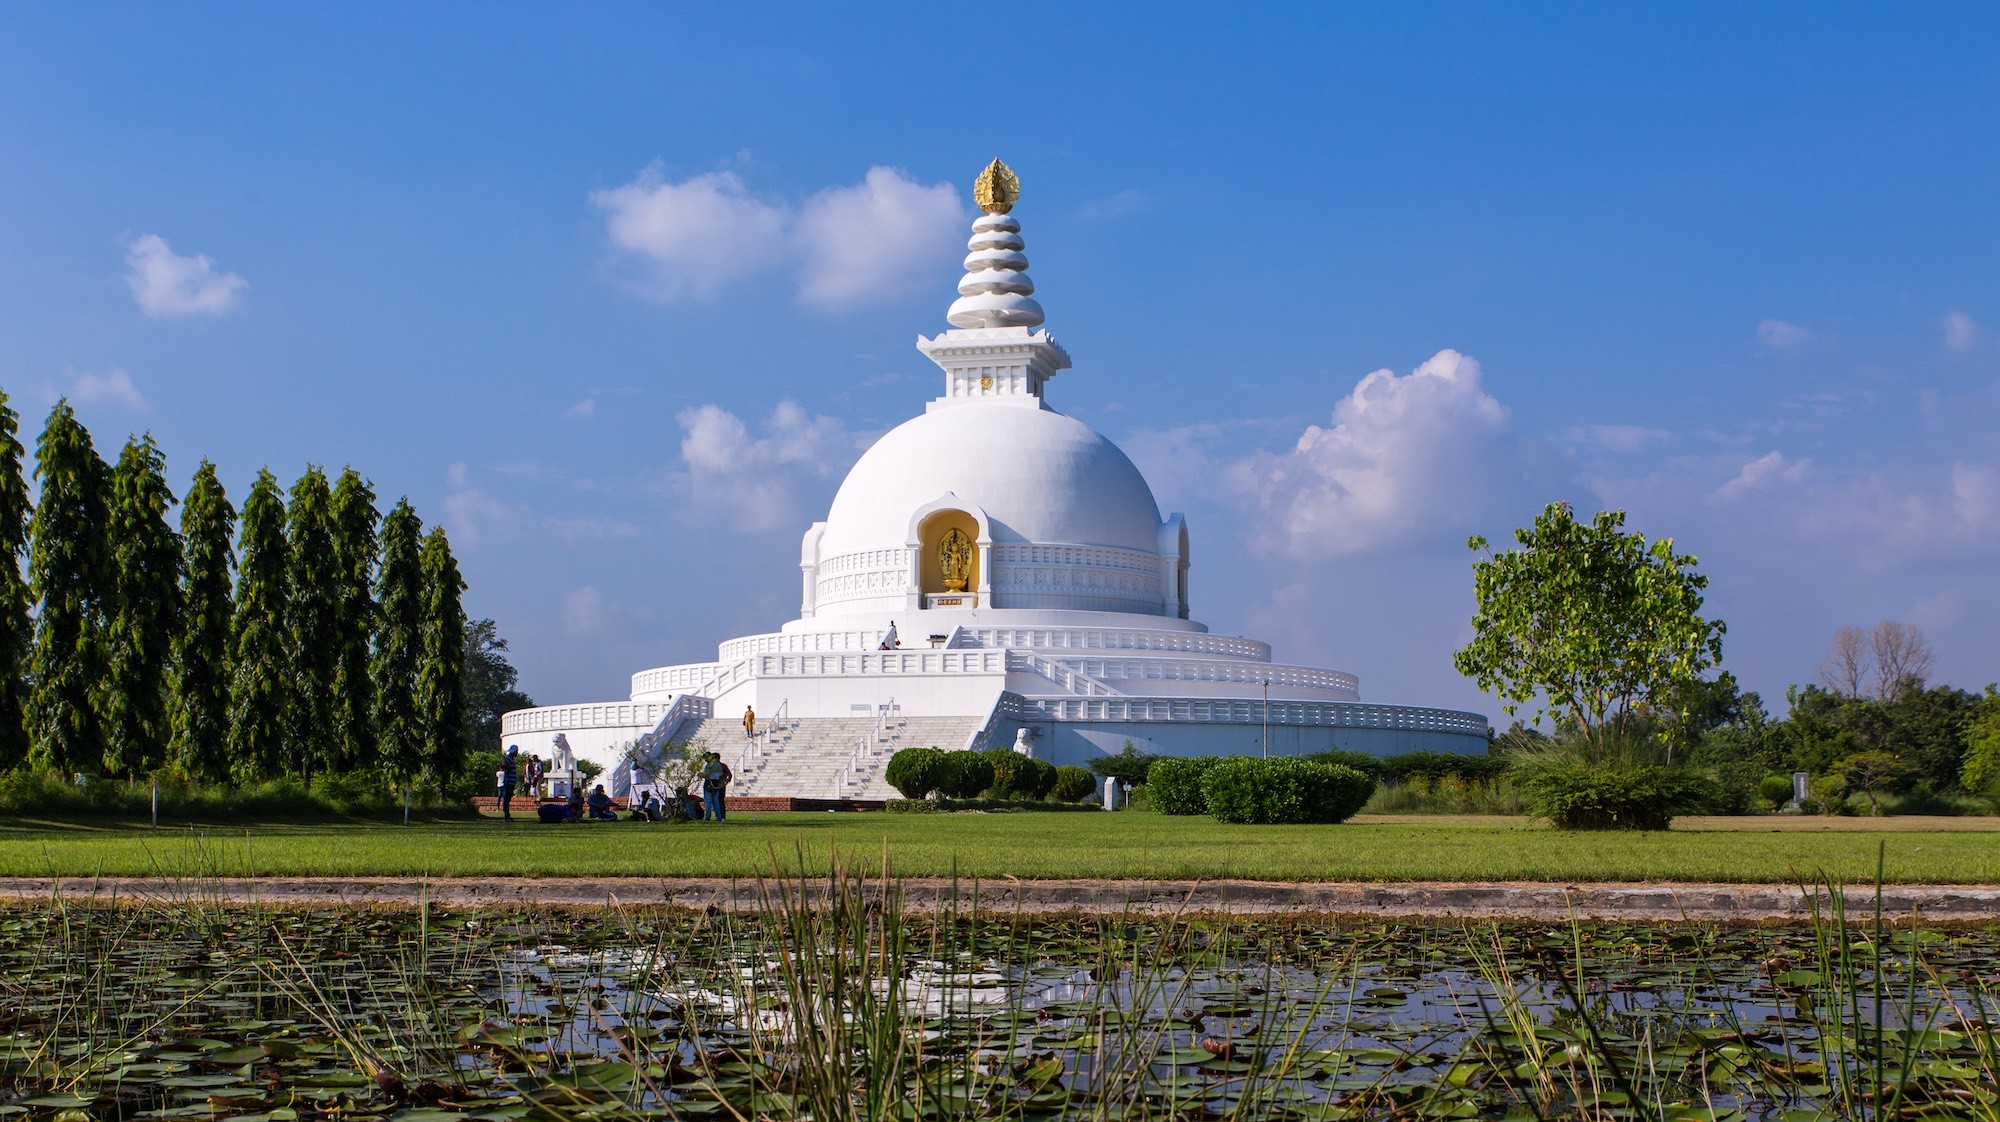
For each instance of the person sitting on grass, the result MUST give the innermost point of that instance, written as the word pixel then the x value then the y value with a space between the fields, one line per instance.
pixel 600 805
pixel 689 806
pixel 573 809
pixel 646 809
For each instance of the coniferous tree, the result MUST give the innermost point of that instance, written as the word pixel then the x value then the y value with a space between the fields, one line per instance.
pixel 66 564
pixel 144 586
pixel 17 630
pixel 353 521
pixel 312 616
pixel 399 629
pixel 441 659
pixel 200 694
pixel 257 668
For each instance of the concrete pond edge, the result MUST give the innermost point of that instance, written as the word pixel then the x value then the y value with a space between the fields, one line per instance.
pixel 1742 903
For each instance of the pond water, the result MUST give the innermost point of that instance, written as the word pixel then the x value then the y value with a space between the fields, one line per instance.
pixel 855 1010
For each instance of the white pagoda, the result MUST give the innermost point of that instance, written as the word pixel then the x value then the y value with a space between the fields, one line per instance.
pixel 991 572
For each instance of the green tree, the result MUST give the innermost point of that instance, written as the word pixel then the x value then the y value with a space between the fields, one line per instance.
pixel 489 684
pixel 200 682
pixel 353 524
pixel 66 565
pixel 440 689
pixel 1980 767
pixel 1593 620
pixel 313 583
pixel 257 667
pixel 17 628
pixel 1129 767
pixel 1874 774
pixel 145 557
pixel 399 617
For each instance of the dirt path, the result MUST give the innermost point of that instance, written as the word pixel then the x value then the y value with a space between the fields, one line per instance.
pixel 1736 902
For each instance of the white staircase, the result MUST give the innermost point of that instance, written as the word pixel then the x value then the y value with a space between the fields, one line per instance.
pixel 825 757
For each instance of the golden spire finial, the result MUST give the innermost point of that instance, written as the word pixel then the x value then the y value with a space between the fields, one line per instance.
pixel 997 189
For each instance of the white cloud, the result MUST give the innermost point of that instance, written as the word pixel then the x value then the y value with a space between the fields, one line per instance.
pixel 872 241
pixel 1765 471
pixel 1626 439
pixel 582 528
pixel 1960 332
pixel 756 478
pixel 584 611
pixel 113 387
pixel 1785 338
pixel 583 410
pixel 878 239
pixel 168 285
pixel 470 510
pixel 1408 456
pixel 696 234
pixel 1117 205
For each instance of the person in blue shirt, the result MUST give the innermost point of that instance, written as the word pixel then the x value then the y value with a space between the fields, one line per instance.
pixel 510 772
pixel 715 777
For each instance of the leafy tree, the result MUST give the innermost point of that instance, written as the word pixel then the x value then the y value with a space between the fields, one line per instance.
pixel 258 686
pixel 17 629
pixel 440 700
pixel 1874 774
pixel 1592 619
pixel 489 684
pixel 200 679
pixel 399 626
pixel 66 565
pixel 1980 769
pixel 315 592
pixel 1926 729
pixel 145 560
pixel 1129 767
pixel 352 523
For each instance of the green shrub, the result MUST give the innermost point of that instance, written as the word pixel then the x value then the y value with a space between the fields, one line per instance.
pixel 1374 767
pixel 1038 778
pixel 1736 788
pixel 1574 794
pixel 1009 769
pixel 1175 783
pixel 915 771
pixel 1775 790
pixel 27 792
pixel 995 806
pixel 1283 790
pixel 1074 784
pixel 964 775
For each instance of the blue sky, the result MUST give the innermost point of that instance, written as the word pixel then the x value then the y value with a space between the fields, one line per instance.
pixel 617 294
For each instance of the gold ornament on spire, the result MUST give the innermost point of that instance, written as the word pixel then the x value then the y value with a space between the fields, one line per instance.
pixel 997 189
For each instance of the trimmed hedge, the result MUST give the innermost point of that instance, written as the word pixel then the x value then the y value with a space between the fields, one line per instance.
pixel 1283 790
pixel 994 806
pixel 915 771
pixel 1175 783
pixel 964 775
pixel 1074 784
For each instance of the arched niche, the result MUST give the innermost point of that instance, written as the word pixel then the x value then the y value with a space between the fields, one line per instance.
pixel 932 532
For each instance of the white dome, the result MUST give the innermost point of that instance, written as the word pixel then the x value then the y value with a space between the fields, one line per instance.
pixel 1040 477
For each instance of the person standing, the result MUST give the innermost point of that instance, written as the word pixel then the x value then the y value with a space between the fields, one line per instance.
pixel 510 771
pixel 749 722
pixel 715 777
pixel 533 774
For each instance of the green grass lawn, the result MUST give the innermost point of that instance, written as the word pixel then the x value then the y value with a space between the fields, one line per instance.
pixel 1133 845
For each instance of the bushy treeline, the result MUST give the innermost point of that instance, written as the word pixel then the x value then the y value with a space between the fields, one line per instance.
pixel 302 636
pixel 1913 747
